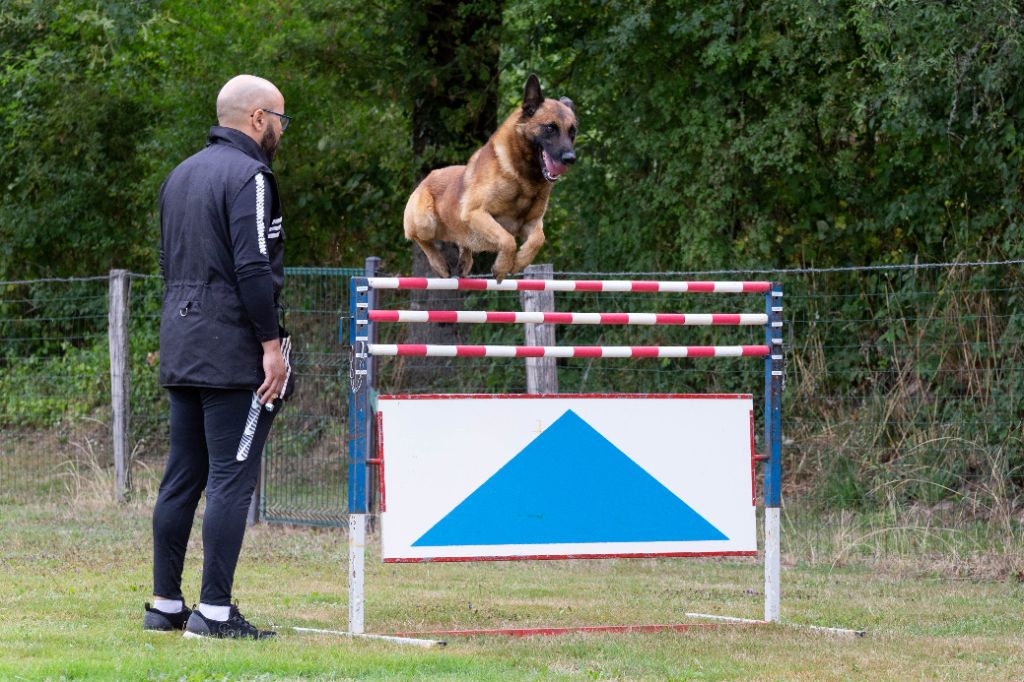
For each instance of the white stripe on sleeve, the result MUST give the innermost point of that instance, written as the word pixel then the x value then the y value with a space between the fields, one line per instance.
pixel 260 233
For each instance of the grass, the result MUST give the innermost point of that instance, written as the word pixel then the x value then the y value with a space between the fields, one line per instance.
pixel 73 577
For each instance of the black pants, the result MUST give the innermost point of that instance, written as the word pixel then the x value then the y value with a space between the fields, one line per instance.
pixel 217 438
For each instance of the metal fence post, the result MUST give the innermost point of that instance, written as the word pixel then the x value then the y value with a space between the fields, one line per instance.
pixel 117 334
pixel 541 373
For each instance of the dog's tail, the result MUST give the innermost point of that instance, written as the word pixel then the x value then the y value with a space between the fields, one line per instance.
pixel 420 218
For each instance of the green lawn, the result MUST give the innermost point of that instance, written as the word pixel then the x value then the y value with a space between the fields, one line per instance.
pixel 72 587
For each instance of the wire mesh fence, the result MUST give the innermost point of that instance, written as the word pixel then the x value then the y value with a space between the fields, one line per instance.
pixel 901 385
pixel 904 389
pixel 304 461
pixel 54 379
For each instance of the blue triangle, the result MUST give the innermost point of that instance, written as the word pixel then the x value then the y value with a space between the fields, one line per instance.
pixel 569 485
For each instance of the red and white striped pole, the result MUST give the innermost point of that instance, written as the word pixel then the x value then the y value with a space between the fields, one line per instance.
pixel 516 317
pixel 605 285
pixel 465 351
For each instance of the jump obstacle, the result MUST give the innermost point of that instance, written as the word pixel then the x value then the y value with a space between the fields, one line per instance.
pixel 362 319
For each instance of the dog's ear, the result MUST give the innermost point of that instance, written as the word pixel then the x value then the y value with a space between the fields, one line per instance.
pixel 568 102
pixel 532 96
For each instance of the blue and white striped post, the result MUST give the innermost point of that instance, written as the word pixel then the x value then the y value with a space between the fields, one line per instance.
pixel 773 369
pixel 359 442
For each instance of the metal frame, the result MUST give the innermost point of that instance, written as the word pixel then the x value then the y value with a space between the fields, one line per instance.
pixel 360 441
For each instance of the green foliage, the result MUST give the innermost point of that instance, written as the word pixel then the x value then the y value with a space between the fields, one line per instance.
pixel 713 135
pixel 41 391
pixel 74 117
pixel 53 359
pixel 793 133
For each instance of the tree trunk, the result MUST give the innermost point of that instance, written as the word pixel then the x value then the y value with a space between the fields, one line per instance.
pixel 455 105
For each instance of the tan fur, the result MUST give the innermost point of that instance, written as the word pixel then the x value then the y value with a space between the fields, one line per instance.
pixel 498 197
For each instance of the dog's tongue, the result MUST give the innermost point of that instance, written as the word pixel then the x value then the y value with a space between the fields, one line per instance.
pixel 554 168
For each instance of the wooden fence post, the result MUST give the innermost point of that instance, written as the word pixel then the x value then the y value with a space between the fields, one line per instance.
pixel 117 333
pixel 541 373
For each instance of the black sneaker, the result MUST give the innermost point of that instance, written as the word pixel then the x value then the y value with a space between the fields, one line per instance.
pixel 165 622
pixel 235 627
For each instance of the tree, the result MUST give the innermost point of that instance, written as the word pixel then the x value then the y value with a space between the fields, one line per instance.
pixel 790 133
pixel 452 91
pixel 75 119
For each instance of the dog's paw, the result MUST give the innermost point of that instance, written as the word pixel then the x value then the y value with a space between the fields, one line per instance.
pixel 520 266
pixel 499 275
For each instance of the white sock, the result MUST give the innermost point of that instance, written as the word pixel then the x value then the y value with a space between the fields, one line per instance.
pixel 168 605
pixel 215 612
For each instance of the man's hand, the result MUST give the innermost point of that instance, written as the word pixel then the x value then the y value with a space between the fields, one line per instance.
pixel 274 371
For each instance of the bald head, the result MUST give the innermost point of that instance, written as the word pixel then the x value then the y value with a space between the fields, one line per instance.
pixel 242 95
pixel 244 104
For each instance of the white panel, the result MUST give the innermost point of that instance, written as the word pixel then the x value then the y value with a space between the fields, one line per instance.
pixel 438 451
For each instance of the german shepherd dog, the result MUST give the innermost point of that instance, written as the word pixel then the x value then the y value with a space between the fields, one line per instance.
pixel 502 193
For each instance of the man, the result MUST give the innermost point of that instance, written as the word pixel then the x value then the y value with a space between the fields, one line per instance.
pixel 221 257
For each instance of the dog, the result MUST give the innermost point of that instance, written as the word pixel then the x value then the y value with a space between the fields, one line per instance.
pixel 502 193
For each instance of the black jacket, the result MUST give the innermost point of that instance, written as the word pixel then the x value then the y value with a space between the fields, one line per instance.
pixel 221 256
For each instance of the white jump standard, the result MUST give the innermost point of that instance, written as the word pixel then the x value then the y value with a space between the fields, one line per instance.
pixel 474 521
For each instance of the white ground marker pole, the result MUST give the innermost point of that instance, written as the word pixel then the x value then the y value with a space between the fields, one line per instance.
pixel 813 628
pixel 411 641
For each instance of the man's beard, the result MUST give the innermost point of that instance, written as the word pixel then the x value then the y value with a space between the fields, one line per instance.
pixel 269 142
